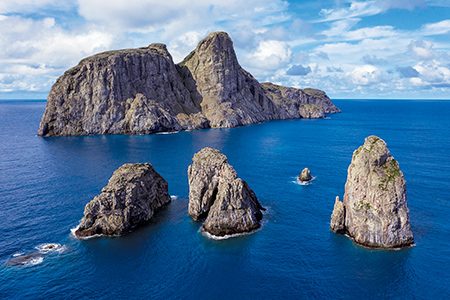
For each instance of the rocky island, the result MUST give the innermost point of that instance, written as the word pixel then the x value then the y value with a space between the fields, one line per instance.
pixel 305 175
pixel 142 91
pixel 374 212
pixel 219 197
pixel 132 196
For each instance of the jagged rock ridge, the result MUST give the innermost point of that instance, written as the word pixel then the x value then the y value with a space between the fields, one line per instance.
pixel 374 212
pixel 218 195
pixel 141 91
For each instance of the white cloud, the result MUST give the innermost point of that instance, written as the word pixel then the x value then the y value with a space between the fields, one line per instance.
pixel 358 9
pixel 270 55
pixel 437 28
pixel 366 74
pixel 37 50
pixel 433 72
pixel 422 49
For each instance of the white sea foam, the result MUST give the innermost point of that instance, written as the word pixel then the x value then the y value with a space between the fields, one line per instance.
pixel 34 261
pixel 167 132
pixel 18 254
pixel 227 236
pixel 173 197
pixel 50 247
pixel 72 232
pixel 296 181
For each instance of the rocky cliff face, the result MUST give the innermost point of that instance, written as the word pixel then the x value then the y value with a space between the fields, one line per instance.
pixel 131 197
pixel 295 103
pixel 230 95
pixel 217 195
pixel 374 211
pixel 141 91
pixel 127 91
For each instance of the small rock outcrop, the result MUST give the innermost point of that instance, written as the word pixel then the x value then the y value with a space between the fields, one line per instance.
pixel 142 91
pixel 374 212
pixel 305 175
pixel 216 194
pixel 131 197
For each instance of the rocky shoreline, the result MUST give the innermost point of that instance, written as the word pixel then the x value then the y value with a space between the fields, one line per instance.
pixel 142 91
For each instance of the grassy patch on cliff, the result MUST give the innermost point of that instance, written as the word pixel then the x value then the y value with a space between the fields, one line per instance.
pixel 391 171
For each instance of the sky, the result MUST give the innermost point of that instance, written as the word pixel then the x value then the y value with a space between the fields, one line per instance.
pixel 381 49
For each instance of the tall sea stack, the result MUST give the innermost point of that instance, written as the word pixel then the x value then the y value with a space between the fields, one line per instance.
pixel 374 212
pixel 219 197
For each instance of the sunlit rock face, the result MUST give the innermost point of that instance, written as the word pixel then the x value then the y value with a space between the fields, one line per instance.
pixel 374 212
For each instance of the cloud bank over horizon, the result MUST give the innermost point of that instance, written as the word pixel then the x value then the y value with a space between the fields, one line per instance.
pixel 350 49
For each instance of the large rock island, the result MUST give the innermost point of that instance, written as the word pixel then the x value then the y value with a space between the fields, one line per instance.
pixel 132 196
pixel 141 91
pixel 374 212
pixel 216 194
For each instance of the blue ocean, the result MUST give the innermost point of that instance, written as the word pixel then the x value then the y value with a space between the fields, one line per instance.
pixel 46 182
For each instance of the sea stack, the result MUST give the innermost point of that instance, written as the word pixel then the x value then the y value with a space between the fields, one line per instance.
pixel 216 195
pixel 305 175
pixel 374 212
pixel 131 197
pixel 142 91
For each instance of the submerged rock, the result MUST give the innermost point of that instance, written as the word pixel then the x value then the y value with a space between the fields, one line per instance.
pixel 305 175
pixel 131 197
pixel 216 194
pixel 29 259
pixel 142 91
pixel 374 211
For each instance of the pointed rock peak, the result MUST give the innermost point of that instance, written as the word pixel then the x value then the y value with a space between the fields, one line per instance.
pixel 216 44
pixel 372 140
pixel 219 37
pixel 374 150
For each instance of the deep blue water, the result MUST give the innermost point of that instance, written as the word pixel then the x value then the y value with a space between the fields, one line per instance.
pixel 45 183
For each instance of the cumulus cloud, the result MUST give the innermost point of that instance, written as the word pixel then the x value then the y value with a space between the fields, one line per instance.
pixel 422 49
pixel 271 55
pixel 35 50
pixel 366 74
pixel 298 70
